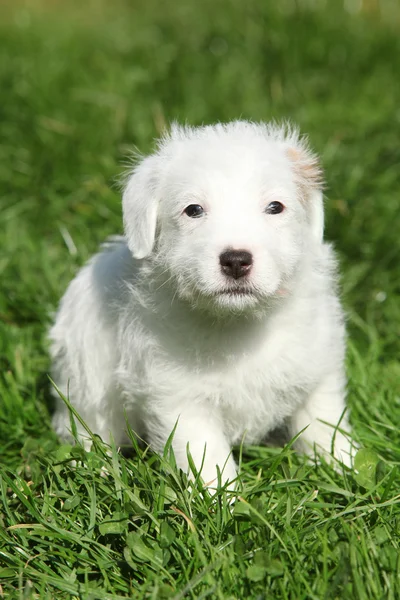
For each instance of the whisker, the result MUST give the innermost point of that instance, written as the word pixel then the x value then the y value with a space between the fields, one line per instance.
pixel 164 283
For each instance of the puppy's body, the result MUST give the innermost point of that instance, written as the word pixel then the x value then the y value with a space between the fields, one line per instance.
pixel 183 334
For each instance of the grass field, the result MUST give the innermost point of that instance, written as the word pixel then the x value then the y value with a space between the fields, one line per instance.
pixel 82 84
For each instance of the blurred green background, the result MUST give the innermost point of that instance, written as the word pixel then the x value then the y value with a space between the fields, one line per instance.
pixel 83 84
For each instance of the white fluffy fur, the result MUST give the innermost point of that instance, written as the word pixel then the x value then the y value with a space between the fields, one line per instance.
pixel 150 327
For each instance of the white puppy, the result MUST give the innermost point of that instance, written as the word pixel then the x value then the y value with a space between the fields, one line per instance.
pixel 218 312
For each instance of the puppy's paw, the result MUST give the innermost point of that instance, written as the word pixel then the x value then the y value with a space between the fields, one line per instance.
pixel 214 477
pixel 345 449
pixel 338 450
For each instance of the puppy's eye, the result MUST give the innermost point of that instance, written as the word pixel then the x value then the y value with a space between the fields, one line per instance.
pixel 194 211
pixel 274 208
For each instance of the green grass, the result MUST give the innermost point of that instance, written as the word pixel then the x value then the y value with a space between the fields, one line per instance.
pixel 82 84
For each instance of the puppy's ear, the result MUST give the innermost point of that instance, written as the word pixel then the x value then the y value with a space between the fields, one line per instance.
pixel 140 207
pixel 309 178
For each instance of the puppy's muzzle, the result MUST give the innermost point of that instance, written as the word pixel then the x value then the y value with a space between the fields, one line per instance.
pixel 236 263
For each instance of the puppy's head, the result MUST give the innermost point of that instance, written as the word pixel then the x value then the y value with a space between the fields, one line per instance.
pixel 226 212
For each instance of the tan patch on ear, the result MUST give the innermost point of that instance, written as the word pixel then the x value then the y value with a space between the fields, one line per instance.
pixel 306 166
pixel 293 153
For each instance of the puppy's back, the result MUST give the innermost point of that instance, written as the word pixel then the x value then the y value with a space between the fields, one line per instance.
pixel 83 340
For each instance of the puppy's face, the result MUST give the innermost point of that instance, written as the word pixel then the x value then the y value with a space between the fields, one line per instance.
pixel 231 217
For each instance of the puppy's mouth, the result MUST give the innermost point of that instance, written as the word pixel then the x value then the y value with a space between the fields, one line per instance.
pixel 236 291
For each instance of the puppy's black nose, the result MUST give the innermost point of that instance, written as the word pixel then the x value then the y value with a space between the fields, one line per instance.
pixel 236 263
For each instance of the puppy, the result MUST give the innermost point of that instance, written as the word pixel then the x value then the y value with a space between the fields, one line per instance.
pixel 217 313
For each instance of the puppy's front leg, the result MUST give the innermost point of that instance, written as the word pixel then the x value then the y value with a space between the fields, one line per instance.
pixel 320 414
pixel 199 430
